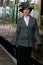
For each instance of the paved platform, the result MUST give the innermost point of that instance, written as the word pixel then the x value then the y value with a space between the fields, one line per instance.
pixel 5 57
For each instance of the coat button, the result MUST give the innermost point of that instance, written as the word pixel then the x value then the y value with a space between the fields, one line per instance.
pixel 27 27
pixel 27 31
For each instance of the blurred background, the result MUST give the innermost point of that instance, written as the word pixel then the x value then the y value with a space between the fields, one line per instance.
pixel 9 14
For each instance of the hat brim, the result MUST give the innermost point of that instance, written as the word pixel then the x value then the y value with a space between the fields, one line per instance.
pixel 21 10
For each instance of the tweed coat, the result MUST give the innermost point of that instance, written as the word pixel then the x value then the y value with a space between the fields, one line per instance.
pixel 25 34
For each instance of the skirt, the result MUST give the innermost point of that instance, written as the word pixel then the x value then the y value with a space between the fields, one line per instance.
pixel 23 55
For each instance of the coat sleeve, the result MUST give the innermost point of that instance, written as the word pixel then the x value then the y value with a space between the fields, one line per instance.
pixel 36 33
pixel 14 40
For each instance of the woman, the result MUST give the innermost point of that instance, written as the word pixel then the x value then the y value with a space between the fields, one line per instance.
pixel 27 30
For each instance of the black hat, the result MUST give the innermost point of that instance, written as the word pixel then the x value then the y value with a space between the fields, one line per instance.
pixel 25 5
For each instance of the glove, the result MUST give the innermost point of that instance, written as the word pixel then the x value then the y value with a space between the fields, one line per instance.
pixel 14 46
pixel 39 47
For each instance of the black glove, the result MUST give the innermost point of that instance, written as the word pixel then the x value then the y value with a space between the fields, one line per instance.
pixel 39 46
pixel 14 46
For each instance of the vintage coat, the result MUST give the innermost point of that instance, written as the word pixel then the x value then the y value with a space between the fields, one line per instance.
pixel 25 34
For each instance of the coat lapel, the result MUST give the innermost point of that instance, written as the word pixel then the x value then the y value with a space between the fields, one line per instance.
pixel 23 22
pixel 30 21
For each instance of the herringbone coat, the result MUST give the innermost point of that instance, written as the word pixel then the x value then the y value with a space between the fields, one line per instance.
pixel 25 34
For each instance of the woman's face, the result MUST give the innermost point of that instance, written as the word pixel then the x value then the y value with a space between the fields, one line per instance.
pixel 26 12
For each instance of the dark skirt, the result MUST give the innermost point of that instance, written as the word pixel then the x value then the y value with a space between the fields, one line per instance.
pixel 24 55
